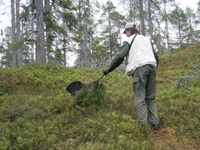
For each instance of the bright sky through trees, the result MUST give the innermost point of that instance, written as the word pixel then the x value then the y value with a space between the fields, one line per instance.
pixel 5 9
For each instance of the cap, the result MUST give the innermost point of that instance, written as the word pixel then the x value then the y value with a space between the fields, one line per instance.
pixel 129 25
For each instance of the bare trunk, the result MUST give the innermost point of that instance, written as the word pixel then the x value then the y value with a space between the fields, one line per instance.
pixel 14 58
pixel 18 34
pixel 49 39
pixel 40 48
pixel 32 37
pixel 131 10
pixel 84 32
pixel 142 17
pixel 166 26
pixel 81 56
pixel 150 19
pixel 65 49
pixel 179 35
pixel 33 32
pixel 65 41
pixel 110 38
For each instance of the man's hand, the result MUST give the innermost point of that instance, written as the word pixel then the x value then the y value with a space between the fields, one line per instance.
pixel 105 72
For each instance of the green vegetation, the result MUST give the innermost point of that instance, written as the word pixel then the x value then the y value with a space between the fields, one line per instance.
pixel 92 95
pixel 36 112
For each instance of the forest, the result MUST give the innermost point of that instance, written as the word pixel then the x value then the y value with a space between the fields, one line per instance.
pixel 49 30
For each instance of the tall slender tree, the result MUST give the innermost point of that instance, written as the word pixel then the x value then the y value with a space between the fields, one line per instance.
pixel 18 34
pixel 13 24
pixel 68 27
pixel 40 43
pixel 179 19
pixel 48 23
pixel 191 33
pixel 111 21
pixel 198 9
pixel 142 17
pixel 85 31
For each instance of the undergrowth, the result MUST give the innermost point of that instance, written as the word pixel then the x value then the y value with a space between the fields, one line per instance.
pixel 92 95
pixel 36 112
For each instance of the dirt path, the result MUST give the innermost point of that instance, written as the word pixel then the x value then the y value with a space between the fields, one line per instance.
pixel 166 139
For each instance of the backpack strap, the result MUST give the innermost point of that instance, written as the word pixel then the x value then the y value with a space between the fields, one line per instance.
pixel 126 62
pixel 132 42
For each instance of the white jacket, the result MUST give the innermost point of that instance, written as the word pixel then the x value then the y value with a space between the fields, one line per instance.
pixel 140 53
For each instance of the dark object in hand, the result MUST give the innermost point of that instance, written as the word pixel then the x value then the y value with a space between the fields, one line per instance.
pixel 105 72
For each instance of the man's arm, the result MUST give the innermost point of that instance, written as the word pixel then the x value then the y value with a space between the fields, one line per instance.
pixel 119 58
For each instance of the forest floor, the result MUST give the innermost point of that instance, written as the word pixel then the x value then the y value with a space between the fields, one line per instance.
pixel 36 112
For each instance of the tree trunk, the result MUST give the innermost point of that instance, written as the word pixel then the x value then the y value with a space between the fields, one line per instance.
pixel 150 19
pixel 18 34
pixel 166 26
pixel 142 19
pixel 40 48
pixel 110 35
pixel 14 58
pixel 84 23
pixel 179 34
pixel 65 40
pixel 49 39
pixel 32 37
pixel 131 11
pixel 198 10
pixel 80 36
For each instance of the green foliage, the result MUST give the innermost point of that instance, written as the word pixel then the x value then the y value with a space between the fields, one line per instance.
pixel 4 88
pixel 178 16
pixel 99 51
pixel 179 20
pixel 91 95
pixel 110 20
pixel 36 112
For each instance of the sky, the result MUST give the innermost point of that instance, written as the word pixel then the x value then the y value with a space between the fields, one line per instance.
pixel 5 9
pixel 182 3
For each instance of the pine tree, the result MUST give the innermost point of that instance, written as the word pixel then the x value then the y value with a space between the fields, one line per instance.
pixel 112 21
pixel 191 33
pixel 85 31
pixel 13 24
pixel 18 34
pixel 40 43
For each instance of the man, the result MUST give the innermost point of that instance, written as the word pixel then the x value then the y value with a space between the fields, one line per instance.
pixel 141 66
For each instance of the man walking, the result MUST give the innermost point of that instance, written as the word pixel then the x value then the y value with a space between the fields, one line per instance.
pixel 142 64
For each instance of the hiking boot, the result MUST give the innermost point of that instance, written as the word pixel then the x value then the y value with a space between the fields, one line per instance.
pixel 155 126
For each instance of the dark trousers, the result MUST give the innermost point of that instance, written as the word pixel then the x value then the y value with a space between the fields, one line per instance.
pixel 144 87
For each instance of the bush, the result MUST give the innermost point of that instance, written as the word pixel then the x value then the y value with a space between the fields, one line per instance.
pixel 92 94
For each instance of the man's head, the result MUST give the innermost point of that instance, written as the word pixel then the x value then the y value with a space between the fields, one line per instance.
pixel 130 29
